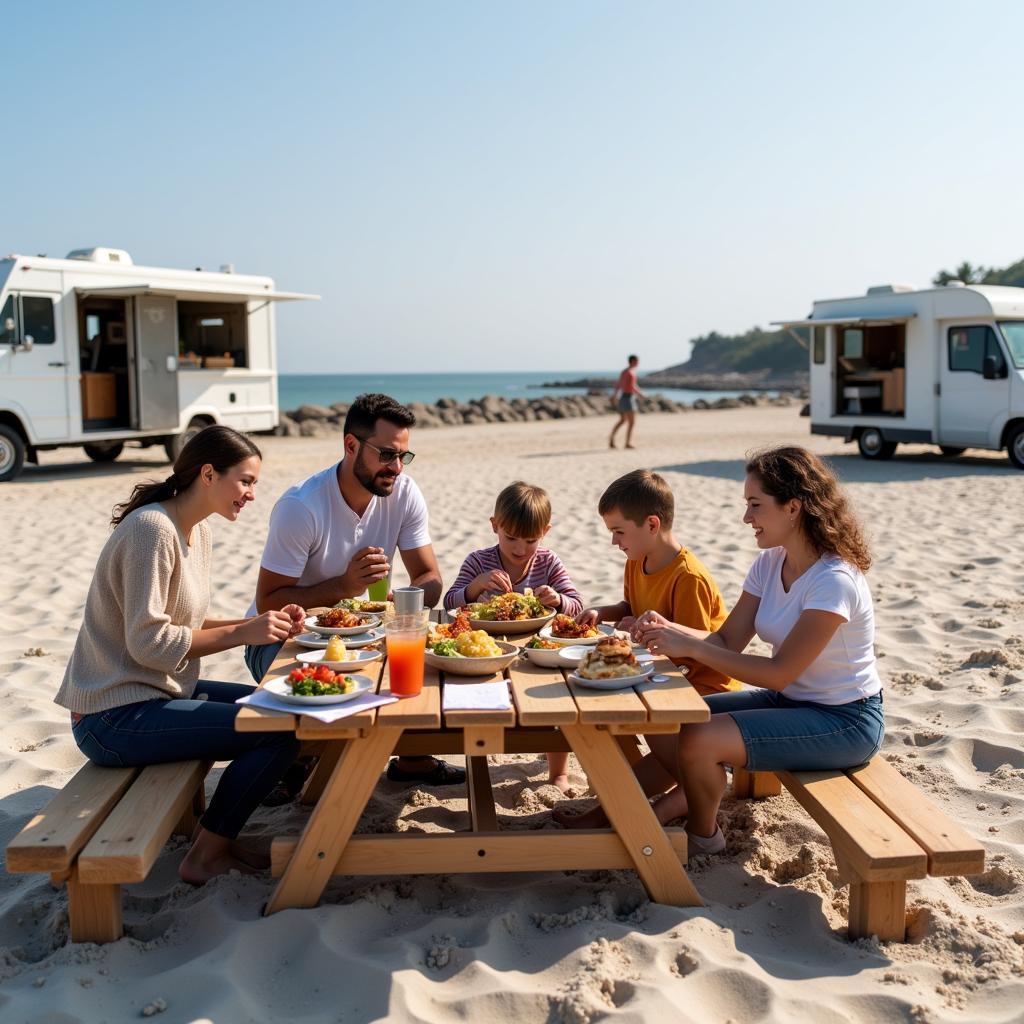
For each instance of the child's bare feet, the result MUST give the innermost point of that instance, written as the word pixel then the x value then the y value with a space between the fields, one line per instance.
pixel 671 805
pixel 561 782
pixel 569 818
pixel 211 855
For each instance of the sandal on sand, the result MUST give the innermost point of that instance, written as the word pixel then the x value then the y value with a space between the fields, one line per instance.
pixel 442 774
pixel 698 845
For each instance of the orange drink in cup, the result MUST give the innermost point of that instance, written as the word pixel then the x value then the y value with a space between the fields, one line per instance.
pixel 406 642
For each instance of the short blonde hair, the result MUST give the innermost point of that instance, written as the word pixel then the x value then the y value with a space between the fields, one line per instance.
pixel 638 495
pixel 523 510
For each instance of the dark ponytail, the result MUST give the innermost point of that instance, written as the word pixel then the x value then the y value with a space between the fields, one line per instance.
pixel 216 445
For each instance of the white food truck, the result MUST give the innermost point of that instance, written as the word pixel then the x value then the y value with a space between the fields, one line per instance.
pixel 941 366
pixel 96 352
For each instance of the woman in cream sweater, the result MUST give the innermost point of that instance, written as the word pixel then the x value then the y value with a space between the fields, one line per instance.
pixel 132 684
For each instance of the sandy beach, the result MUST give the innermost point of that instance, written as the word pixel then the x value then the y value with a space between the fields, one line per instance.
pixel 769 945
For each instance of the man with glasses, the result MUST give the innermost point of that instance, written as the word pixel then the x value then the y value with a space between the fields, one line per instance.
pixel 335 534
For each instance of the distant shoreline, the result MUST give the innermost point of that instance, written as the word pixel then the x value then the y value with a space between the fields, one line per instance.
pixel 759 381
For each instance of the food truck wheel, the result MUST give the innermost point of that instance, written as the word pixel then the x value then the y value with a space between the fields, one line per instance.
pixel 173 445
pixel 104 451
pixel 873 445
pixel 12 453
pixel 1014 446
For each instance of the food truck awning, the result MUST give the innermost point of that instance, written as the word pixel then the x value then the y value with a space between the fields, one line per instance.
pixel 845 321
pixel 125 291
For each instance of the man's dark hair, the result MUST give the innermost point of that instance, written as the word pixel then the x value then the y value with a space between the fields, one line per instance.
pixel 632 359
pixel 364 412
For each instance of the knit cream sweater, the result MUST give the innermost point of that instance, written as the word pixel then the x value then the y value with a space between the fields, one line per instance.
pixel 149 591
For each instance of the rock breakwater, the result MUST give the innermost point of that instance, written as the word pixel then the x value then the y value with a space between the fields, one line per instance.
pixel 321 420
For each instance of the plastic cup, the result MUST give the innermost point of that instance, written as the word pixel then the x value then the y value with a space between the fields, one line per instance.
pixel 406 639
pixel 378 591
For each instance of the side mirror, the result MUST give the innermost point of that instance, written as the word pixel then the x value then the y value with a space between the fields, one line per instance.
pixel 27 342
pixel 992 368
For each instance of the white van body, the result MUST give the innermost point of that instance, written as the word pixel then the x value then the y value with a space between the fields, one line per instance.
pixel 95 351
pixel 940 366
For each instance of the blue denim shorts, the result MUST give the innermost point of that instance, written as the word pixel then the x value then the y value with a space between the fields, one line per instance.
pixel 259 658
pixel 781 734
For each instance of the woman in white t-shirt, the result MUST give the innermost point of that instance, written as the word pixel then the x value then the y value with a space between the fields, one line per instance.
pixel 817 704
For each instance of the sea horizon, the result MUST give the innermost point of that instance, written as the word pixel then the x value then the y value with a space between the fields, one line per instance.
pixel 295 389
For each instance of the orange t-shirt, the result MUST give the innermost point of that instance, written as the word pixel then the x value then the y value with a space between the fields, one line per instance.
pixel 684 592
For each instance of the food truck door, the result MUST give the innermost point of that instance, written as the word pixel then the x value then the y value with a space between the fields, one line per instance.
pixel 156 365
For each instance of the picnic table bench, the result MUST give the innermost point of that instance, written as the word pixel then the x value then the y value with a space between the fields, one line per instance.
pixel 548 713
pixel 883 830
pixel 105 829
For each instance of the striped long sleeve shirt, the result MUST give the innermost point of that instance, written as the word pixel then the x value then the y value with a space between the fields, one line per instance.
pixel 544 569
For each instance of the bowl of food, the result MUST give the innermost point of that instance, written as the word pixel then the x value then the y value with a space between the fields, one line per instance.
pixel 350 660
pixel 471 653
pixel 611 665
pixel 509 614
pixel 362 604
pixel 317 684
pixel 341 622
pixel 542 652
pixel 565 630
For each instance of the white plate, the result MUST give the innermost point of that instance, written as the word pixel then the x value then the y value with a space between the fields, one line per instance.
pixel 353 660
pixel 613 684
pixel 573 655
pixel 318 642
pixel 282 688
pixel 371 621
pixel 604 628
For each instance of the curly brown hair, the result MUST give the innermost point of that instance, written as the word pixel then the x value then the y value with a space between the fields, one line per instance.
pixel 790 472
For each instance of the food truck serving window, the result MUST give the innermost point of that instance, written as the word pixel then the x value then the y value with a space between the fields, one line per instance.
pixel 212 334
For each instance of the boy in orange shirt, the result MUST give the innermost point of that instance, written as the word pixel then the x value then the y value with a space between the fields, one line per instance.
pixel 662 576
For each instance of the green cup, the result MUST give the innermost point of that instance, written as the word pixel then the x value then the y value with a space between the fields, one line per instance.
pixel 378 591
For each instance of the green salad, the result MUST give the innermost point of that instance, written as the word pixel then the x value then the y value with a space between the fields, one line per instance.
pixel 445 648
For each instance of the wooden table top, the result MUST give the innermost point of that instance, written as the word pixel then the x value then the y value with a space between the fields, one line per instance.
pixel 540 697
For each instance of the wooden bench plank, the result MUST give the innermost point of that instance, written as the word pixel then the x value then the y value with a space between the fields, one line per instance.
pixel 127 844
pixel 53 838
pixel 862 834
pixel 408 854
pixel 541 696
pixel 951 851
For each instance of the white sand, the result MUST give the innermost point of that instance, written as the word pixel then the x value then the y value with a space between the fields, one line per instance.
pixel 769 945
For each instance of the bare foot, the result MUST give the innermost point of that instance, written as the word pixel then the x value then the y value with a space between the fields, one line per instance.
pixel 630 446
pixel 561 782
pixel 196 870
pixel 611 444
pixel 671 805
pixel 567 818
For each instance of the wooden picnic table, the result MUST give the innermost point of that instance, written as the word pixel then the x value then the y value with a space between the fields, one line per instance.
pixel 548 713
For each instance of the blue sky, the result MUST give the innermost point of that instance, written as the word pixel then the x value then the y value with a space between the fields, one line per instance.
pixel 475 186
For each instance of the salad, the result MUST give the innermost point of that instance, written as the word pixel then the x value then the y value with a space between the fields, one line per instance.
pixel 319 681
pixel 538 643
pixel 508 608
pixel 358 604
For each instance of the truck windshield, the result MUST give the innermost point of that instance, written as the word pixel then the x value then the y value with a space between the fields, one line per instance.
pixel 1013 333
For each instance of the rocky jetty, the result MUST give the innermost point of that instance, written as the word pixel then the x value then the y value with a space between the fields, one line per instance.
pixel 760 380
pixel 321 420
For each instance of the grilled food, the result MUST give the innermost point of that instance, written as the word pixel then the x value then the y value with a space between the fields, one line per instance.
pixel 611 658
pixel 565 627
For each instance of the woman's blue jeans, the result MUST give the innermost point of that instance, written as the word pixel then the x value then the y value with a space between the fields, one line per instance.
pixel 203 728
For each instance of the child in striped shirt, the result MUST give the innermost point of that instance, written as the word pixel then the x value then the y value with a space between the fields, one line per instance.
pixel 522 516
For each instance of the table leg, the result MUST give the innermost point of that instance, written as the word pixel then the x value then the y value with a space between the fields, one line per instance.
pixel 483 816
pixel 325 764
pixel 631 816
pixel 334 819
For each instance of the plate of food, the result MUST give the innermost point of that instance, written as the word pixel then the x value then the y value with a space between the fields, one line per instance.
pixel 471 653
pixel 317 641
pixel 362 604
pixel 341 622
pixel 339 658
pixel 317 685
pixel 510 614
pixel 611 665
pixel 571 656
pixel 565 630
pixel 543 652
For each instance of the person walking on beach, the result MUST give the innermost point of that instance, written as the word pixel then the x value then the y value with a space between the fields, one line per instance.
pixel 335 533
pixel 624 399
pixel 132 684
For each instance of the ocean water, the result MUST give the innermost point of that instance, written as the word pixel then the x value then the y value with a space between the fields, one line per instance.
pixel 295 389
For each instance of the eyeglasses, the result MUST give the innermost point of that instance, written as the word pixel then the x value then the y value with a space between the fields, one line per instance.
pixel 387 455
